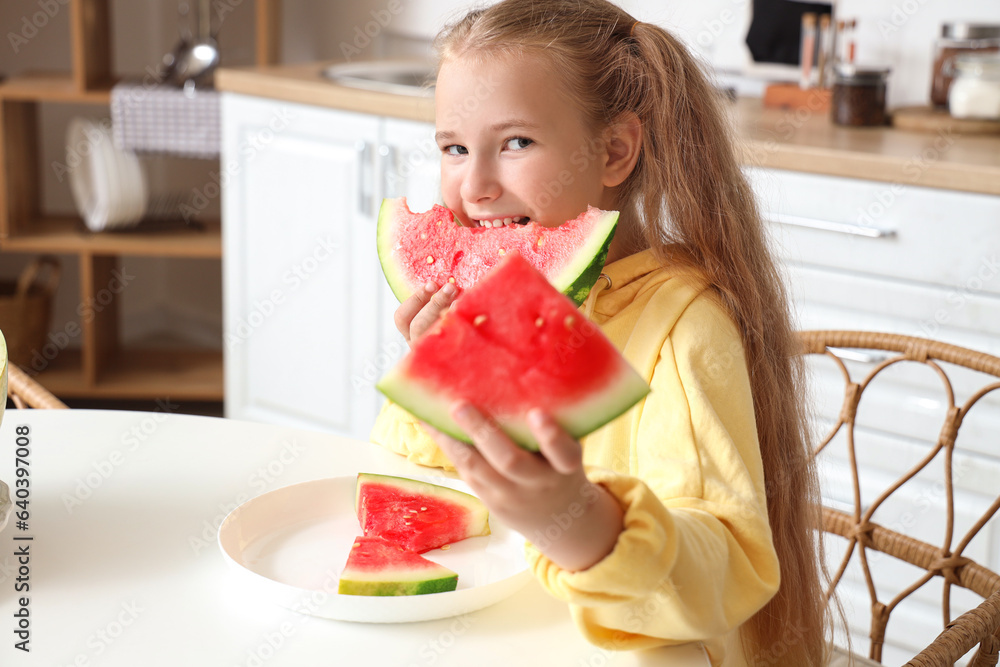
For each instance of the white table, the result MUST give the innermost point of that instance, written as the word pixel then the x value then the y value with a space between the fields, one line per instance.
pixel 125 568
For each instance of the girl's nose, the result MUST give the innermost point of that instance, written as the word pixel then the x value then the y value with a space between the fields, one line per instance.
pixel 480 182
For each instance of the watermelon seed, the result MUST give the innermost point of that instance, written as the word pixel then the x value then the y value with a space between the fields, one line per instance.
pixel 422 509
pixel 430 260
pixel 476 322
pixel 452 280
pixel 569 321
pixel 541 241
pixel 502 251
pixel 539 322
pixel 445 547
pixel 423 235
pixel 407 523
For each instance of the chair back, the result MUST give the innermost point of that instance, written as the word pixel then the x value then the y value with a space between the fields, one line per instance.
pixel 869 537
pixel 27 393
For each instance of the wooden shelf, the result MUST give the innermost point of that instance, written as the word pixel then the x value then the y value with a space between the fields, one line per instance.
pixel 67 235
pixel 139 373
pixel 52 87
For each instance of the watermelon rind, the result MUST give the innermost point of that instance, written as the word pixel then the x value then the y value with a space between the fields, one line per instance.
pixel 620 393
pixel 412 574
pixel 575 280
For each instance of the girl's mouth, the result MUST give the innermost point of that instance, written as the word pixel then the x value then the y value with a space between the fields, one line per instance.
pixel 502 222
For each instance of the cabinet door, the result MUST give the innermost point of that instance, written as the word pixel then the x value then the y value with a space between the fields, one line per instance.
pixel 301 272
pixel 409 165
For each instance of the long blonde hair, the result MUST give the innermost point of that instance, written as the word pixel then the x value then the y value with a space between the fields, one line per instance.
pixel 689 201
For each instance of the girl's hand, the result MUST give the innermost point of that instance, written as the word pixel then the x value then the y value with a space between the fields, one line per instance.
pixel 545 496
pixel 416 315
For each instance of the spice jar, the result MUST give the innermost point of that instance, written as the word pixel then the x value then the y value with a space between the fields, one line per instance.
pixel 958 38
pixel 858 96
pixel 975 92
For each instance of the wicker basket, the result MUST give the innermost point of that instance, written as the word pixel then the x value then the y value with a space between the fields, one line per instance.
pixel 26 309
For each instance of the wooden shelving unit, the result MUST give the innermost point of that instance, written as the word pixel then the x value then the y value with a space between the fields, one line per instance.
pixel 102 367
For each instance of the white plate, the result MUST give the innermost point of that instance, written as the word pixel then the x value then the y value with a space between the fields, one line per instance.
pixel 289 545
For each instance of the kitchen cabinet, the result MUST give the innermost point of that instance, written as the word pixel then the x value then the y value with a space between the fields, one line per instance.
pixel 861 254
pixel 103 366
pixel 308 316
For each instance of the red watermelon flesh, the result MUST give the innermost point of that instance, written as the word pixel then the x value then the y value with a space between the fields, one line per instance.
pixel 415 248
pixel 508 344
pixel 416 515
pixel 376 566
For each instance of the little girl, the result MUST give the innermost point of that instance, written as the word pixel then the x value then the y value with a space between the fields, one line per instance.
pixel 692 516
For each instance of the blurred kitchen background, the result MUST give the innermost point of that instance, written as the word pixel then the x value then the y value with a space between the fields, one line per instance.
pixel 177 301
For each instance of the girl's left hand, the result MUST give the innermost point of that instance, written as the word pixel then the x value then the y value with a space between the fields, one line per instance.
pixel 545 496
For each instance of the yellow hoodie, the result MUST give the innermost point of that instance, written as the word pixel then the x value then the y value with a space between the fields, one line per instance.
pixel 695 558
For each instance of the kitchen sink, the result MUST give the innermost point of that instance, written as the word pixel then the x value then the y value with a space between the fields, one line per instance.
pixel 406 77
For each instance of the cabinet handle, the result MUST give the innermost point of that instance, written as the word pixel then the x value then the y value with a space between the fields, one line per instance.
pixel 830 226
pixel 390 171
pixel 365 177
pixel 864 356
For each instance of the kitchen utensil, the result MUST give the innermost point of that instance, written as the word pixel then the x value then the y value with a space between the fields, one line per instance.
pixel 195 58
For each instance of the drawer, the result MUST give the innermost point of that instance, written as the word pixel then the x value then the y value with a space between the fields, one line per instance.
pixel 893 230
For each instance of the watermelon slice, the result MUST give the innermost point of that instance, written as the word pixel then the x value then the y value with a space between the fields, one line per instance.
pixel 378 567
pixel 417 247
pixel 415 515
pixel 508 344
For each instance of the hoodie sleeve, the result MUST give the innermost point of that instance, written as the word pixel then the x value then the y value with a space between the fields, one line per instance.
pixel 399 431
pixel 695 558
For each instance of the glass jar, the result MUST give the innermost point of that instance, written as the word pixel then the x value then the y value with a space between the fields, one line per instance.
pixel 858 96
pixel 975 91
pixel 957 38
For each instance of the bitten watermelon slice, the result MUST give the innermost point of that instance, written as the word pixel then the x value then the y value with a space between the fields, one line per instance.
pixel 418 516
pixel 376 566
pixel 510 343
pixel 417 247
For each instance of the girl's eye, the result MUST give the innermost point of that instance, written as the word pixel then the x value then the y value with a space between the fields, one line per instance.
pixel 455 149
pixel 518 143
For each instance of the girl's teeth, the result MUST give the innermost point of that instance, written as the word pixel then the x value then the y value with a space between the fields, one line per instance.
pixel 506 222
pixel 485 223
pixel 517 219
pixel 498 223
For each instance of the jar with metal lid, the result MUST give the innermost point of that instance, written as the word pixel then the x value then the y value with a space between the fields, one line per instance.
pixel 957 38
pixel 975 92
pixel 858 96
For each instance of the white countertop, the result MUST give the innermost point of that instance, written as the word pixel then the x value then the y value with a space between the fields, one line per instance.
pixel 125 569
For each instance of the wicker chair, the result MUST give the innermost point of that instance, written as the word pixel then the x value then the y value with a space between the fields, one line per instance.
pixel 26 393
pixel 979 626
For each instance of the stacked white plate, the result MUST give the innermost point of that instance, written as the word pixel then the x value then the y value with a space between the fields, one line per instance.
pixel 109 185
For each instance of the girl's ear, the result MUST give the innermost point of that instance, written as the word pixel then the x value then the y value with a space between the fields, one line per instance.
pixel 622 141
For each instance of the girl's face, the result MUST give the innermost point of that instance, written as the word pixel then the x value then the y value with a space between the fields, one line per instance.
pixel 513 148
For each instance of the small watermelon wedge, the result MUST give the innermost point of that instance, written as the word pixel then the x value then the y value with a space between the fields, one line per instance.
pixel 416 247
pixel 418 516
pixel 376 566
pixel 509 343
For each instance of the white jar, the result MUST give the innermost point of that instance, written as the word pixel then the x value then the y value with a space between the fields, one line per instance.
pixel 975 91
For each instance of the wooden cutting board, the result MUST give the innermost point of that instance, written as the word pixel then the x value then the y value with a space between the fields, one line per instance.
pixel 931 119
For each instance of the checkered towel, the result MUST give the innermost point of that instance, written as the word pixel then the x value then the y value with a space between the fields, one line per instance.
pixel 158 118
